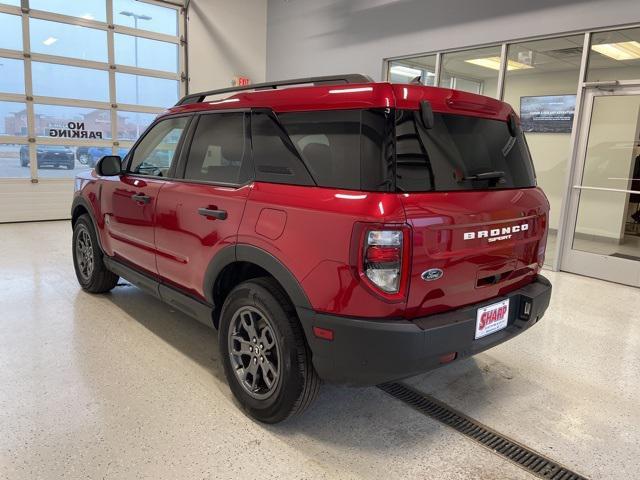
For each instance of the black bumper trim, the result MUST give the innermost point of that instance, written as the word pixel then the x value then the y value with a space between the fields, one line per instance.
pixel 370 352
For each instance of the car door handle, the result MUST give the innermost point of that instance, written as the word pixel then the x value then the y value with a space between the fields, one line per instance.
pixel 141 198
pixel 211 213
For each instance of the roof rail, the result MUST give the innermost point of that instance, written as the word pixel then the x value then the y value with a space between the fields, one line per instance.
pixel 329 79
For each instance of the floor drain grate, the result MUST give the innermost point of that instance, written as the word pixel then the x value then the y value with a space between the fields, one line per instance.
pixel 524 457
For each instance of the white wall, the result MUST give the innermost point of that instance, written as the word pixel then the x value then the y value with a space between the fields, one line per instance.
pixel 226 39
pixel 23 201
pixel 336 36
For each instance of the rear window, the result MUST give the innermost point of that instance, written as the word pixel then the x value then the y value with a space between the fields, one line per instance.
pixel 459 153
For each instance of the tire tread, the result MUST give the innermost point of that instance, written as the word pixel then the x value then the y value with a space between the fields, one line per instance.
pixel 103 280
pixel 311 384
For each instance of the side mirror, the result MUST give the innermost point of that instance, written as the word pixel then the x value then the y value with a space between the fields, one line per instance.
pixel 109 166
pixel 426 114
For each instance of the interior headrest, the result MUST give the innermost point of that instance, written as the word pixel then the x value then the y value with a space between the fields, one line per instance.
pixel 317 152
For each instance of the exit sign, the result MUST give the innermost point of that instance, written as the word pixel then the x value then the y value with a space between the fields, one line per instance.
pixel 240 81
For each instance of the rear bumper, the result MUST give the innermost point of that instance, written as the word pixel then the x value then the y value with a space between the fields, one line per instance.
pixel 370 352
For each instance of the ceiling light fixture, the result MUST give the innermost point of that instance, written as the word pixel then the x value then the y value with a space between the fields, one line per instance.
pixel 50 41
pixel 405 71
pixel 619 51
pixel 494 63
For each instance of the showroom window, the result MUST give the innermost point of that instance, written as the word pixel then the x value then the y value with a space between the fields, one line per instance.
pixel 548 83
pixel 416 69
pixel 474 71
pixel 82 78
pixel 614 55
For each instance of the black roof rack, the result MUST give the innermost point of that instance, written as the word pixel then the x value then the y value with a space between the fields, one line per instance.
pixel 329 79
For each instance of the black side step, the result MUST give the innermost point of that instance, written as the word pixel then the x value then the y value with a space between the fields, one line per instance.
pixel 201 311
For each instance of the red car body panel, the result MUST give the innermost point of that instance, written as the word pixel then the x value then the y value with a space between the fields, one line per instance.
pixel 366 95
pixel 316 243
pixel 129 226
pixel 310 230
pixel 439 221
pixel 185 240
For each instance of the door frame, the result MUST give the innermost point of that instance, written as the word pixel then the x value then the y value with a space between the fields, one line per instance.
pixel 592 264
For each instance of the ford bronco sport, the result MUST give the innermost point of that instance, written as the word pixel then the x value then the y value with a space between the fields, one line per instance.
pixel 343 230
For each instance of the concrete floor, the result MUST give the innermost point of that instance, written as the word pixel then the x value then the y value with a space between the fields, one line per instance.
pixel 121 386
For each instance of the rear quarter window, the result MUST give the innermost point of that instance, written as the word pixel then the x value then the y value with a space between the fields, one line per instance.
pixel 344 149
pixel 274 156
pixel 329 143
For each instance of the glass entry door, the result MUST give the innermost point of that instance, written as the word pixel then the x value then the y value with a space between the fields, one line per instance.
pixel 602 235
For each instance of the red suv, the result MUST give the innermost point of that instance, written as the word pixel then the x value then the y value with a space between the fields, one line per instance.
pixel 344 230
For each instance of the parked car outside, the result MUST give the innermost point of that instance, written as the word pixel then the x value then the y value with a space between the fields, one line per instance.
pixel 90 155
pixel 49 156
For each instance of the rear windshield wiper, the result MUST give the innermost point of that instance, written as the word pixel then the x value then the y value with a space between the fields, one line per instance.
pixel 484 176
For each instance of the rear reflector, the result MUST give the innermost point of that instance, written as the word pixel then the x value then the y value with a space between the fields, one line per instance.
pixel 379 254
pixel 323 333
pixel 448 357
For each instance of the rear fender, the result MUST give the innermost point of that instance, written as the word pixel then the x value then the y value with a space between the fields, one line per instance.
pixel 261 258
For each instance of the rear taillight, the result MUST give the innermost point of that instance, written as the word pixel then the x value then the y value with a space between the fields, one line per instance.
pixel 542 244
pixel 384 259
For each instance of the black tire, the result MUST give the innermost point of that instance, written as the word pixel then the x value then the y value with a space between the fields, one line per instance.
pixel 297 383
pixel 96 279
pixel 70 166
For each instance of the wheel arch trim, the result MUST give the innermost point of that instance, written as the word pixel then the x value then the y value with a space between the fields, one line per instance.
pixel 80 201
pixel 261 258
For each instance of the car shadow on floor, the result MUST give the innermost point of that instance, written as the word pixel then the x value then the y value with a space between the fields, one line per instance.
pixel 365 419
pixel 192 338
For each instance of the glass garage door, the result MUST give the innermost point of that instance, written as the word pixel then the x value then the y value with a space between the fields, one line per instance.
pixel 78 79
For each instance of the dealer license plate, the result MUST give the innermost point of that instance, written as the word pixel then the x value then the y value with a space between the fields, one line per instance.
pixel 492 318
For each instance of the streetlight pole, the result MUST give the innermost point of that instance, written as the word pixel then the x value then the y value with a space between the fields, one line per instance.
pixel 136 17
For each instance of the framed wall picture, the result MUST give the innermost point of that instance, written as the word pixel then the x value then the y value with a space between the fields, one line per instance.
pixel 548 113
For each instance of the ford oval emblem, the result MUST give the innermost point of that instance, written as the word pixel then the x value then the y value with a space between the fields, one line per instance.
pixel 432 274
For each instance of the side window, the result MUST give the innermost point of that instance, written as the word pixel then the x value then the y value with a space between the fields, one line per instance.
pixel 329 142
pixel 219 150
pixel 155 152
pixel 274 157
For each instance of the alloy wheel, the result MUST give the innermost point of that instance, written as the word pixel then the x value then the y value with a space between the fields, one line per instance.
pixel 84 252
pixel 254 352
